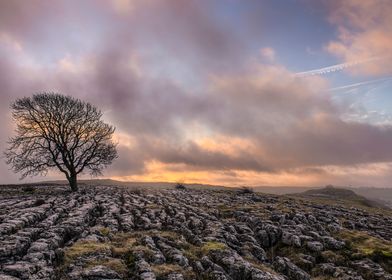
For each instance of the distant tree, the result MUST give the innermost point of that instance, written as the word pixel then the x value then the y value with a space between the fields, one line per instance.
pixel 59 132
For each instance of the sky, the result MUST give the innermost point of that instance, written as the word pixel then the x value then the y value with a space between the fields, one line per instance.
pixel 229 92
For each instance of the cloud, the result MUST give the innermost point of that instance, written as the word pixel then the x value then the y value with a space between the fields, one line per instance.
pixel 268 54
pixel 185 99
pixel 9 90
pixel 365 31
pixel 123 7
pixel 294 123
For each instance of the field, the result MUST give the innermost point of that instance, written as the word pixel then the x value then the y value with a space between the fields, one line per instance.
pixel 111 232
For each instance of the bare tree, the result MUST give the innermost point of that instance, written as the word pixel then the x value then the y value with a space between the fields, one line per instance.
pixel 57 131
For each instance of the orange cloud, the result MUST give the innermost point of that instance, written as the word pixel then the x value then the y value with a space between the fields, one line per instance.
pixel 123 7
pixel 232 146
pixel 377 174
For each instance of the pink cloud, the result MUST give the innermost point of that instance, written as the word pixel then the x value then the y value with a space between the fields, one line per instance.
pixel 365 31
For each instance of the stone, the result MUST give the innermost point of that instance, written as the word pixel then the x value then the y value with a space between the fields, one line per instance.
pixel 332 243
pixel 285 266
pixel 8 277
pixel 370 270
pixel 100 272
pixel 20 269
pixel 175 276
pixel 315 246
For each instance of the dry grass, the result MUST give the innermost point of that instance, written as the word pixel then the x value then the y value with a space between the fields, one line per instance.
pixel 161 271
pixel 165 269
pixel 195 252
pixel 171 235
pixel 334 257
pixel 212 245
pixel 255 263
pixel 117 265
pixel 82 248
pixel 366 244
pixel 104 231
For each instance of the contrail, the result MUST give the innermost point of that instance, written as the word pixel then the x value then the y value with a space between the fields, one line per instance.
pixel 334 68
pixel 361 84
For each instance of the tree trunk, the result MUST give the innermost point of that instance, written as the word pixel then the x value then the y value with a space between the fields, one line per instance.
pixel 73 182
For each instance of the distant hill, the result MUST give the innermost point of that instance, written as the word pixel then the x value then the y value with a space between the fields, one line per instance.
pixel 334 193
pixel 282 189
pixel 330 193
pixel 381 195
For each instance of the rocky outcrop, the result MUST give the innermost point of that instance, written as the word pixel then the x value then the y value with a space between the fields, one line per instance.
pixel 116 233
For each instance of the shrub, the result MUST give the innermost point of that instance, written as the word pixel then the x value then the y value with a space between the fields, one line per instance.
pixel 39 202
pixel 245 190
pixel 136 191
pixel 180 186
pixel 28 189
pixel 122 199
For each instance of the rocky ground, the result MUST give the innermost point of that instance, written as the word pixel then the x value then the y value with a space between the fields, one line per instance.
pixel 117 233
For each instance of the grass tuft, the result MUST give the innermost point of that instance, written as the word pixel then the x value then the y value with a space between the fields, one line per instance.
pixel 82 248
pixel 365 245
pixel 105 231
pixel 195 252
pixel 117 265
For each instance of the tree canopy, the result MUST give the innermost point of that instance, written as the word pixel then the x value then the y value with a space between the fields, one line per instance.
pixel 55 131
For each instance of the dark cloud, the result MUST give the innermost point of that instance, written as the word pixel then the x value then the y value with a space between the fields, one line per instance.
pixel 196 157
pixel 330 141
pixel 20 19
pixel 186 31
pixel 130 162
pixel 9 90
